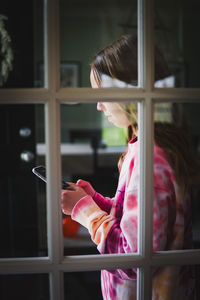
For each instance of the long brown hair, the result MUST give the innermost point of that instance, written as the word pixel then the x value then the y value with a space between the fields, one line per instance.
pixel 119 60
pixel 177 143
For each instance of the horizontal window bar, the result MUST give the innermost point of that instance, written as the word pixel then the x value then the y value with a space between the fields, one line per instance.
pixel 25 265
pixel 98 262
pixel 178 257
pixel 8 96
pixel 88 95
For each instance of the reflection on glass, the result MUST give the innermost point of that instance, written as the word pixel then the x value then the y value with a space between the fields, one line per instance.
pixel 177 172
pixel 119 284
pixel 175 282
pixel 23 287
pixel 85 29
pixel 27 156
pixel 23 197
pixel 25 132
pixel 175 35
pixel 22 44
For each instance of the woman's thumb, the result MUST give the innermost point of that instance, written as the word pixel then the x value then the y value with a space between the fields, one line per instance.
pixel 80 182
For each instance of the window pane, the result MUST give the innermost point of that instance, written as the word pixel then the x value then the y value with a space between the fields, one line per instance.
pixel 175 282
pixel 197 278
pixel 176 23
pixel 176 176
pixel 23 208
pixel 22 61
pixel 85 28
pixel 119 284
pixel 23 287
pixel 82 285
pixel 91 149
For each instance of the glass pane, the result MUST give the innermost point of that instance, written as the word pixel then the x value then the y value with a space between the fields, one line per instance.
pixel 91 149
pixel 22 205
pixel 85 28
pixel 175 282
pixel 176 176
pixel 114 284
pixel 197 277
pixel 23 287
pixel 82 285
pixel 176 23
pixel 22 46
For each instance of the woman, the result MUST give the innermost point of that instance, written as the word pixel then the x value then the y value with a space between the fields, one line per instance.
pixel 113 223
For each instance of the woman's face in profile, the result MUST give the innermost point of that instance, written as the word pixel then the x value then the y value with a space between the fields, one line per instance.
pixel 112 110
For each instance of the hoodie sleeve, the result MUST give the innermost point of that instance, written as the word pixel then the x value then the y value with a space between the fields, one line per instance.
pixel 104 203
pixel 97 221
pixel 117 233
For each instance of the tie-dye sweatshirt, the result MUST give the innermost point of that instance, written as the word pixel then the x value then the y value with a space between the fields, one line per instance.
pixel 112 224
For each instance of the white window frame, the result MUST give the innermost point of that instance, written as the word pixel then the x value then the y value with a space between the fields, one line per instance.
pixel 52 96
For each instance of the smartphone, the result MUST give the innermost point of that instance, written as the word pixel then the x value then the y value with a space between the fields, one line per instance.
pixel 40 171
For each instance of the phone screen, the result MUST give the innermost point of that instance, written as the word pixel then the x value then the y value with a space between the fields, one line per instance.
pixel 40 171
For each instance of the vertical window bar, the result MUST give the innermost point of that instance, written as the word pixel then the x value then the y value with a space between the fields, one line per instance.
pixel 54 228
pixel 145 114
pixel 52 46
pixel 45 24
pixel 53 160
pixel 52 131
pixel 145 120
pixel 140 34
pixel 56 285
pixel 146 44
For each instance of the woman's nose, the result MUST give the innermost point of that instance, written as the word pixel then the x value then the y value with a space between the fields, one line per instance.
pixel 100 106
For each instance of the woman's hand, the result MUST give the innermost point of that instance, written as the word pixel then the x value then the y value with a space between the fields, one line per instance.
pixel 70 197
pixel 87 187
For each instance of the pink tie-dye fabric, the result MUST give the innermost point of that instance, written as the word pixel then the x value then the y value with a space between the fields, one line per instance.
pixel 112 224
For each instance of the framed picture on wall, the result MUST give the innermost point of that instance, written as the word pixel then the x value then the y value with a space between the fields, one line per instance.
pixel 70 74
